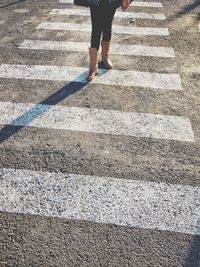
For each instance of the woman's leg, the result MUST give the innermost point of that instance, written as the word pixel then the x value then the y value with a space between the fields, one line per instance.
pixel 107 25
pixel 95 42
pixel 107 32
pixel 96 26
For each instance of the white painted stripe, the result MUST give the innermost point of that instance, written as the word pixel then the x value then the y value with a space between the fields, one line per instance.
pixel 147 4
pixel 131 203
pixel 119 14
pixel 62 26
pixel 134 3
pixel 77 74
pixel 66 1
pixel 21 10
pixel 97 121
pixel 119 49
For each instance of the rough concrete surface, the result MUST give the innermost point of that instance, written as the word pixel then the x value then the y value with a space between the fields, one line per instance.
pixel 36 240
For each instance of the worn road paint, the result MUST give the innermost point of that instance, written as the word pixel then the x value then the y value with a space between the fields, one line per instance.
pixel 97 121
pixel 118 14
pixel 129 50
pixel 147 4
pixel 163 81
pixel 106 200
pixel 62 26
pixel 21 11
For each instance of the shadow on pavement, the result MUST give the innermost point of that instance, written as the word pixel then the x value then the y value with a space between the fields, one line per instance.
pixel 189 8
pixel 186 9
pixel 12 3
pixel 193 258
pixel 28 116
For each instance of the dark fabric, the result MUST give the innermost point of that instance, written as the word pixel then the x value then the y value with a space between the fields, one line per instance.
pixel 116 4
pixel 84 3
pixel 102 17
pixel 89 3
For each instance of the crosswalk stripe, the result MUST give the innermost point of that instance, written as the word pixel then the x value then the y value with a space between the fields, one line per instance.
pixel 134 3
pixel 97 121
pixel 62 26
pixel 146 4
pixel 119 49
pixel 163 81
pixel 21 10
pixel 119 14
pixel 130 203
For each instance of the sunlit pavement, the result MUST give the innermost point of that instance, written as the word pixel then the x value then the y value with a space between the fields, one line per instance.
pixel 105 173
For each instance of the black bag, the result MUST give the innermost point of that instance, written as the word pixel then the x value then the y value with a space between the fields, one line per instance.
pixel 85 3
pixel 81 3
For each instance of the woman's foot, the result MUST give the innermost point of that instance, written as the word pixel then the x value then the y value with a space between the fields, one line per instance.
pixel 105 46
pixel 93 71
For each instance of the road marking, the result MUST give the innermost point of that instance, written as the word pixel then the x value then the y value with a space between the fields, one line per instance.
pixel 21 10
pixel 163 81
pixel 119 49
pixel 62 26
pixel 134 3
pixel 119 14
pixel 147 4
pixel 97 121
pixel 130 203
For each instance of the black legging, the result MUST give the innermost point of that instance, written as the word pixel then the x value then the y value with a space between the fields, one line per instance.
pixel 102 17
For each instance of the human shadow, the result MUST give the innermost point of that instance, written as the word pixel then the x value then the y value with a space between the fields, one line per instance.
pixel 186 9
pixel 27 117
pixel 193 258
pixel 189 8
pixel 12 3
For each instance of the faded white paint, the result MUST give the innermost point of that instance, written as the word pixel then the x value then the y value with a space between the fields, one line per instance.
pixel 21 10
pixel 134 3
pixel 146 4
pixel 97 121
pixel 62 26
pixel 129 50
pixel 130 203
pixel 163 81
pixel 118 14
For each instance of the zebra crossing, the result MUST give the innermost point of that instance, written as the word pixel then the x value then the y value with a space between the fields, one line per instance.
pixel 118 14
pixel 76 74
pixel 127 50
pixel 91 198
pixel 83 27
pixel 97 121
pixel 102 200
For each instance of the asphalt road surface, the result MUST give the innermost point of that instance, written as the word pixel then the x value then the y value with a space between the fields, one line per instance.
pixel 105 173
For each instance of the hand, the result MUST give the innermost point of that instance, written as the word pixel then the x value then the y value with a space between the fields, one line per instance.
pixel 125 4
